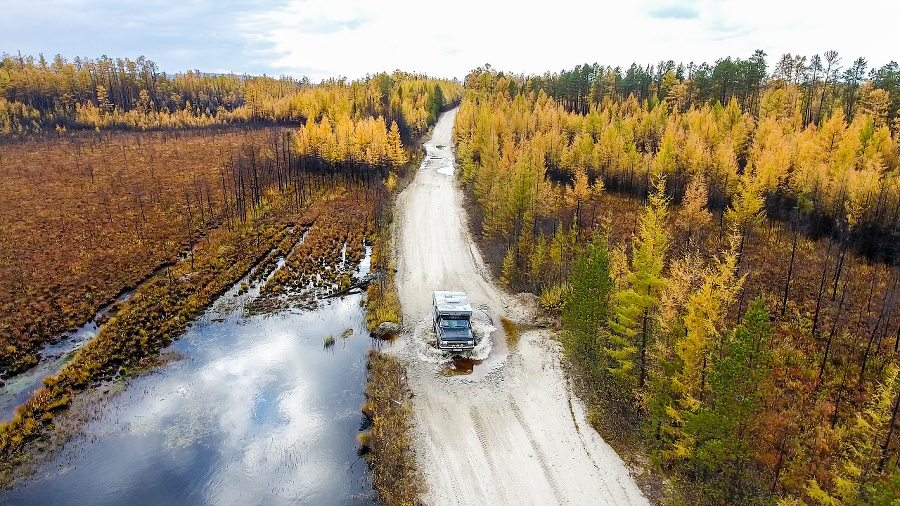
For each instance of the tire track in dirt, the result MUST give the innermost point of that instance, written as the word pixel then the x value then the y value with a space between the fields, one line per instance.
pixel 444 458
pixel 482 435
pixel 542 460
pixel 580 435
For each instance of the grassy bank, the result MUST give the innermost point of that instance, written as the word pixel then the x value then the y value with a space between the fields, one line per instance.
pixel 395 476
pixel 382 302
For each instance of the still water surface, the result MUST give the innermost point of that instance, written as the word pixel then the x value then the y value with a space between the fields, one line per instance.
pixel 255 411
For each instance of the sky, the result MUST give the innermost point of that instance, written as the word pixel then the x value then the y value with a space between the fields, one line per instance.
pixel 352 38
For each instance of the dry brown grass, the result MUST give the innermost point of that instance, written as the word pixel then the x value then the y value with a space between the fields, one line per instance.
pixel 395 476
pixel 88 215
pixel 337 227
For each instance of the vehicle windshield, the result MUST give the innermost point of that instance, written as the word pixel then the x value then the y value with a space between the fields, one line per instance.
pixel 454 323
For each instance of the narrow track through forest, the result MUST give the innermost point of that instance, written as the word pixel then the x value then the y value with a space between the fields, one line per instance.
pixel 511 432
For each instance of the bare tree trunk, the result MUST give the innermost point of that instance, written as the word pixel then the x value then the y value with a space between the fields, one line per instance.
pixel 190 234
pixel 887 440
pixel 884 306
pixel 787 284
pixel 840 267
pixel 833 328
pixel 780 463
pixel 837 404
pixel 821 289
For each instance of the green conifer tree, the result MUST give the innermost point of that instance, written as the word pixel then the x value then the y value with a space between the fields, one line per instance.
pixel 637 308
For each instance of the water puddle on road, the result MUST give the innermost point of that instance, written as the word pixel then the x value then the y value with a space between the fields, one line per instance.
pixel 440 158
pixel 257 411
pixel 512 330
pixel 475 363
pixel 461 365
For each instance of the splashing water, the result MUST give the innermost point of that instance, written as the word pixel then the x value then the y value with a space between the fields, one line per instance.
pixel 424 347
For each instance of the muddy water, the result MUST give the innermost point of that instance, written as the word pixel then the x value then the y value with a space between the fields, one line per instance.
pixel 257 410
pixel 487 356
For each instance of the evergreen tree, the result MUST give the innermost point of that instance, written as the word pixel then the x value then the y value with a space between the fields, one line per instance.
pixel 586 309
pixel 636 310
pixel 396 152
pixel 704 323
pixel 715 437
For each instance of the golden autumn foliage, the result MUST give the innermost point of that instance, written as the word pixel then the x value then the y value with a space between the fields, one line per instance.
pixel 63 95
pixel 529 146
pixel 751 346
pixel 342 140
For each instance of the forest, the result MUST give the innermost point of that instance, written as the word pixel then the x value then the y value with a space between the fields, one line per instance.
pixel 720 243
pixel 102 190
pixel 121 94
pixel 820 83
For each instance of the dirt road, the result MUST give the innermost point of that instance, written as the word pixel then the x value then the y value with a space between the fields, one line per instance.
pixel 510 432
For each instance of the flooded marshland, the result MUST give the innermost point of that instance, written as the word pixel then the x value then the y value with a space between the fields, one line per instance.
pixel 254 409
pixel 54 355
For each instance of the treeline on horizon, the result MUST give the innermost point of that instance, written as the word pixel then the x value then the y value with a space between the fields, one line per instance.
pixel 820 82
pixel 726 273
pixel 37 96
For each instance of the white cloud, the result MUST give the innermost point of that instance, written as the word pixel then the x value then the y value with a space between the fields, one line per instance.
pixel 320 38
pixel 451 39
